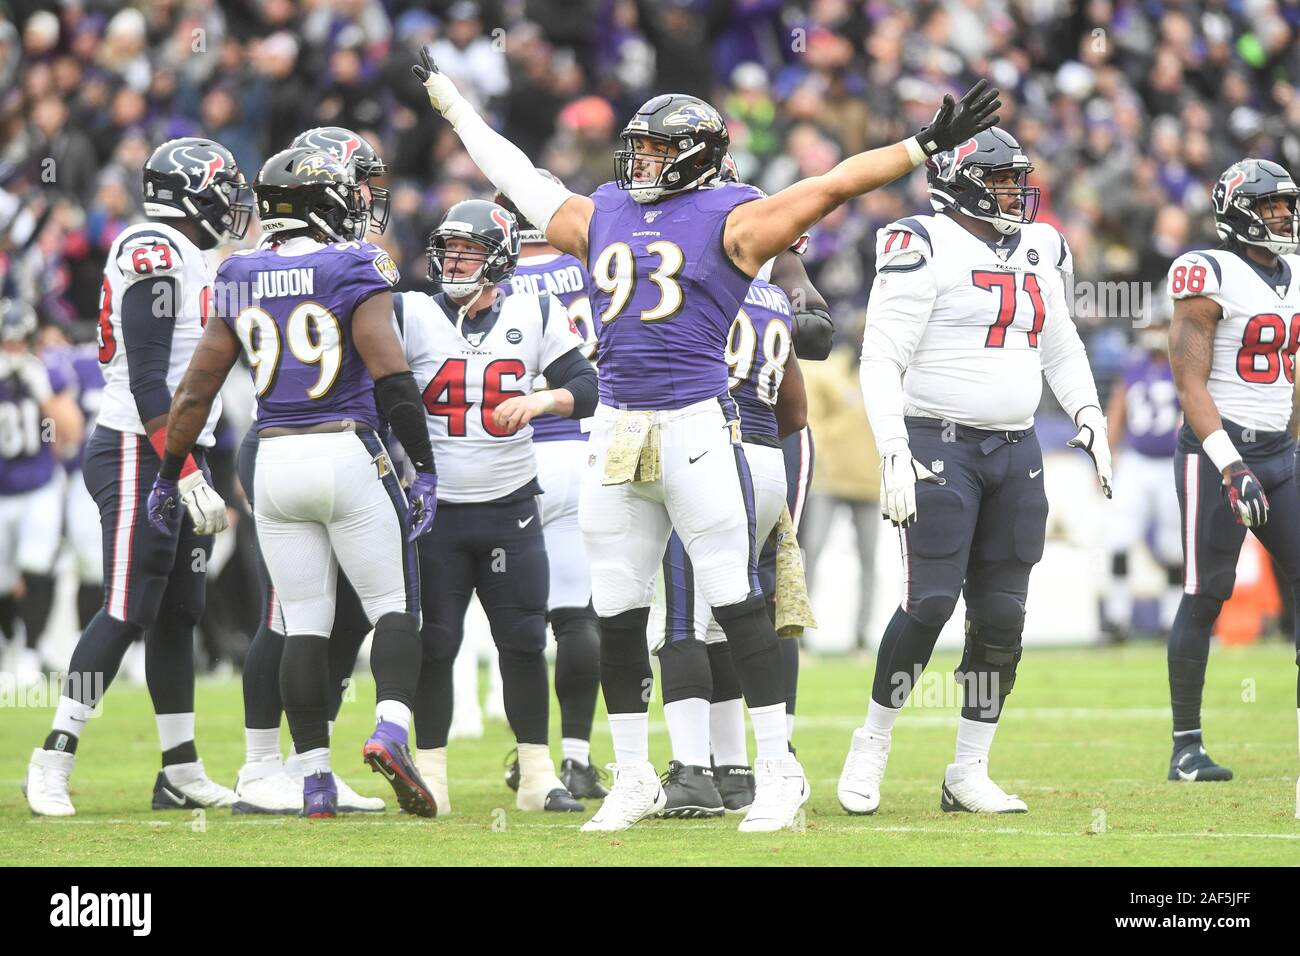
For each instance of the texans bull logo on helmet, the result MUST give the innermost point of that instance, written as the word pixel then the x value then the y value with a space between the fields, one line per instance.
pixel 1226 186
pixel 337 143
pixel 950 161
pixel 198 169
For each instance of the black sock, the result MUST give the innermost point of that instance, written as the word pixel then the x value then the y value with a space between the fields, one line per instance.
pixel 97 657
pixel 395 657
pixel 722 673
pixel 756 650
pixel 9 615
pixel 790 668
pixel 181 753
pixel 262 707
pixel 90 598
pixel 350 629
pixel 37 599
pixel 905 649
pixel 577 668
pixel 527 693
pixel 625 675
pixel 1189 653
pixel 684 670
pixel 304 687
pixel 169 659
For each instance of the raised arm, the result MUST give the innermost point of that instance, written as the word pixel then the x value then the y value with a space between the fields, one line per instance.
pixel 562 215
pixel 756 231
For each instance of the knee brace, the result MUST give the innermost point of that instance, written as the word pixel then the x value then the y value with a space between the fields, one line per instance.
pixel 684 671
pixel 993 651
pixel 518 630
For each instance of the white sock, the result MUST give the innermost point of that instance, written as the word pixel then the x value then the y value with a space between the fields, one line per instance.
pixel 880 719
pixel 688 728
pixel 71 716
pixel 577 750
pixel 315 760
pixel 261 744
pixel 727 733
pixel 789 726
pixel 974 738
pixel 631 733
pixel 394 712
pixel 535 763
pixel 174 729
pixel 769 731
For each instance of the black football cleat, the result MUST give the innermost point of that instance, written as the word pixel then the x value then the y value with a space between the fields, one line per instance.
pixel 736 786
pixel 691 793
pixel 512 770
pixel 1193 765
pixel 560 800
pixel 583 780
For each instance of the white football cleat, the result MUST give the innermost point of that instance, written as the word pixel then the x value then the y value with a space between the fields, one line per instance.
pixel 432 765
pixel 352 802
pixel 636 794
pixel 780 789
pixel 185 786
pixel 46 783
pixel 864 769
pixel 265 787
pixel 967 788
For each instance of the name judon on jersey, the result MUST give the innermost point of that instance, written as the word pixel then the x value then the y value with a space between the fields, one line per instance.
pixel 1252 373
pixel 146 252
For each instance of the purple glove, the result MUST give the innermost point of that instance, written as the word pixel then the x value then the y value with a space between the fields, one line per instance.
pixel 423 496
pixel 163 513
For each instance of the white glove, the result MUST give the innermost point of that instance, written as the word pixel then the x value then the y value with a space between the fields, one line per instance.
pixel 1092 439
pixel 207 510
pixel 443 95
pixel 899 473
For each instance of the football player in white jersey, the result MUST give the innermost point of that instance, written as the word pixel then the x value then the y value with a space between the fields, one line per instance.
pixel 476 354
pixel 155 302
pixel 967 313
pixel 1232 347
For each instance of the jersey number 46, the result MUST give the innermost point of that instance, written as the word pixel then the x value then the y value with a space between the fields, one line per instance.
pixel 444 396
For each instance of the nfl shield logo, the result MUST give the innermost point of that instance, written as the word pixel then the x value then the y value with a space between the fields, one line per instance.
pixel 936 466
pixel 652 215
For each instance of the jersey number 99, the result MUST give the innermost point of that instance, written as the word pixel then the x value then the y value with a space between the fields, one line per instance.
pixel 312 334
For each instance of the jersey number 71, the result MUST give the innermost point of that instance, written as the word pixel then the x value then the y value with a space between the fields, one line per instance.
pixel 1004 284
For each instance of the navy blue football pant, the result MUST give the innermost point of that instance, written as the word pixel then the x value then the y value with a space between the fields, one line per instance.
pixel 1212 541
pixel 497 549
pixel 153 582
pixel 978 535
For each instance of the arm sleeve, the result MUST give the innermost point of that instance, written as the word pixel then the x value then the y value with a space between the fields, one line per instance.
pixel 398 399
pixel 510 170
pixel 572 371
pixel 902 298
pixel 147 326
pixel 1065 360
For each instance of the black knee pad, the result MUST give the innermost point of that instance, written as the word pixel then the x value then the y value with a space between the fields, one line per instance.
pixel 623 638
pixel 1119 564
pixel 747 627
pixel 990 650
pixel 1201 610
pixel 1174 575
pixel 933 610
pixel 577 640
pixel 996 612
pixel 684 670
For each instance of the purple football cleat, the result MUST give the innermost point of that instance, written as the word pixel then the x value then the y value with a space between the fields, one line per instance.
pixel 320 796
pixel 386 753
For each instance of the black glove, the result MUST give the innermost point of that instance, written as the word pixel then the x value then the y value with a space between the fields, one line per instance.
pixel 813 331
pixel 957 122
pixel 1245 495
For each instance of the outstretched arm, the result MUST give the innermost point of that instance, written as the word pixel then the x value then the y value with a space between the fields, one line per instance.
pixel 562 215
pixel 758 230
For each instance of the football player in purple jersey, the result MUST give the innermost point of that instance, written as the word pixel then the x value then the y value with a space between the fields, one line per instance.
pixel 313 312
pixel 671 253
pixel 39 425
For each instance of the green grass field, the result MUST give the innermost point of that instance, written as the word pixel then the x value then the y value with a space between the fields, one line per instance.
pixel 1085 741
